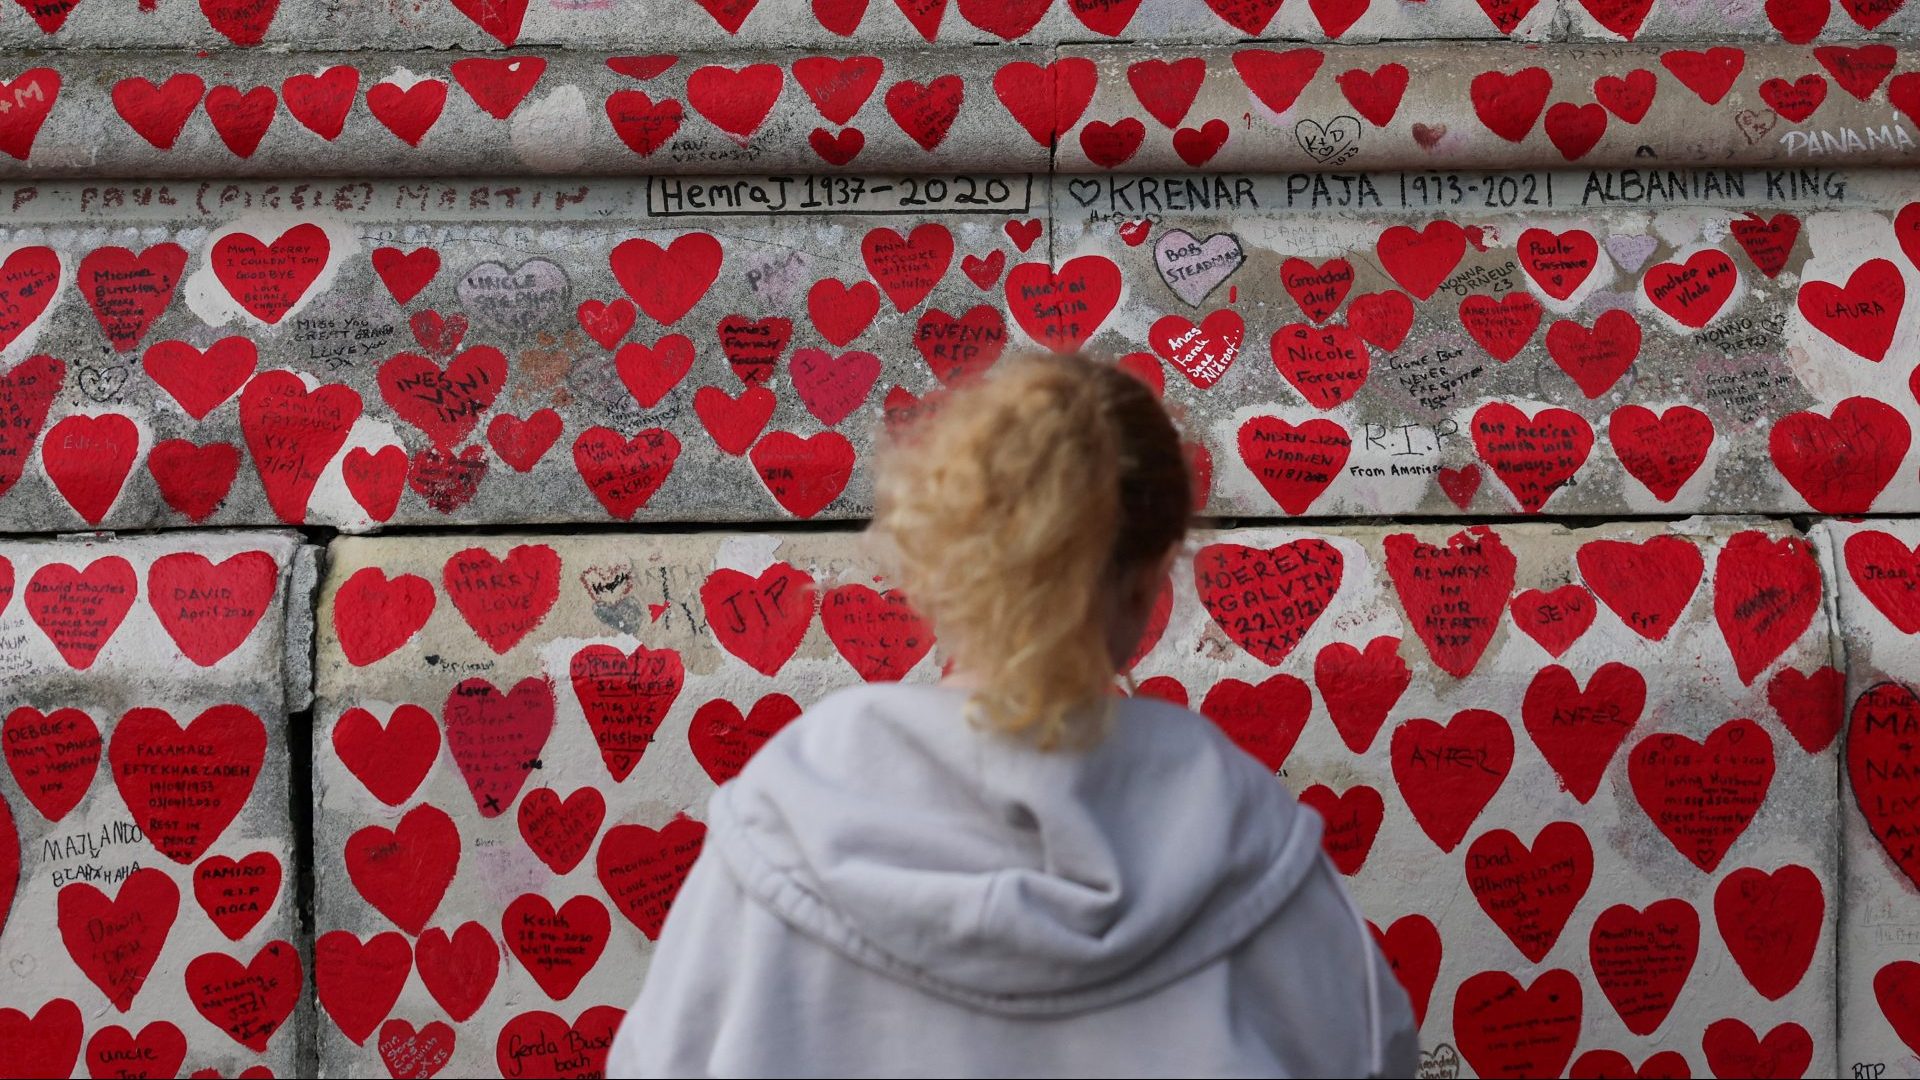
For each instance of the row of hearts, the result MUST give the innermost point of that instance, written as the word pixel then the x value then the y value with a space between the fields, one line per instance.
pixel 54 756
pixel 505 599
pixel 246 22
pixel 1862 315
pixel 215 606
pixel 1447 774
pixel 541 1043
pixel 1059 308
pixel 635 876
pixel 532 1043
pixel 1837 464
pixel 1767 593
pixel 404 872
pixel 1667 552
pixel 1771 923
pixel 388 864
pixel 1046 102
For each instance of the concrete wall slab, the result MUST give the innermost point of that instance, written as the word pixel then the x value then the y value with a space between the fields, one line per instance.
pixel 148 805
pixel 1693 862
pixel 1880 929
pixel 719 23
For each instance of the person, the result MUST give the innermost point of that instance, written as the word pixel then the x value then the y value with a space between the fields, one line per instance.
pixel 1017 871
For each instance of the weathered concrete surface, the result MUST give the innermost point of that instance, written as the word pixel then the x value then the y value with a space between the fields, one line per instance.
pixel 615 666
pixel 419 634
pixel 145 739
pixel 118 114
pixel 1770 309
pixel 1704 655
pixel 1260 108
pixel 1634 342
pixel 590 23
pixel 521 302
pixel 1250 108
pixel 1876 719
pixel 1799 23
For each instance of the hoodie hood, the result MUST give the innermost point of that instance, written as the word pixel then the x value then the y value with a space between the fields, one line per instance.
pixel 977 868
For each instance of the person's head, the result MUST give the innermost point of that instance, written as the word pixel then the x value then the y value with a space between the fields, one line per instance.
pixel 1032 516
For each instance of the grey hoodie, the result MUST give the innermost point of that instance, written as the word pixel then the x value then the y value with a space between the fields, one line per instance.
pixel 887 890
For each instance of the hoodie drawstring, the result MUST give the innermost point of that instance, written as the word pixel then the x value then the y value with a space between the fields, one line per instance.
pixel 1376 1052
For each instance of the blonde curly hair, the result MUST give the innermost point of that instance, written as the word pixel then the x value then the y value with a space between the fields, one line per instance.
pixel 1012 510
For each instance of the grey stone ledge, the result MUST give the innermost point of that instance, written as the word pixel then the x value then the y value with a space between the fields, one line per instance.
pixel 863 24
pixel 1254 107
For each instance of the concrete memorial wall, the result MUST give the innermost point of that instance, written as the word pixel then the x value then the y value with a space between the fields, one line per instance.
pixel 471 24
pixel 408 414
pixel 1078 107
pixel 148 847
pixel 367 353
pixel 1875 573
pixel 1582 781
